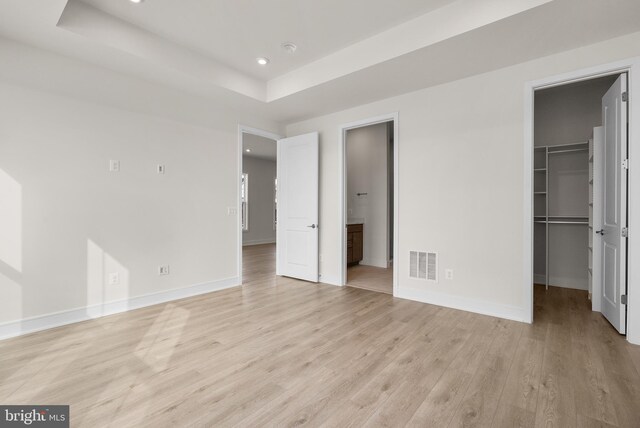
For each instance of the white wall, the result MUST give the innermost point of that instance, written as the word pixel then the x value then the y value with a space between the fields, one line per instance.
pixel 460 179
pixel 567 114
pixel 366 150
pixel 262 173
pixel 77 222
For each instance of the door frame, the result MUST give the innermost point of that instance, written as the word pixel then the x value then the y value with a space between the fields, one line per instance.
pixel 342 167
pixel 632 68
pixel 243 129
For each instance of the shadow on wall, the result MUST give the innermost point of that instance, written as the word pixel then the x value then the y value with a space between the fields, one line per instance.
pixel 39 371
pixel 10 246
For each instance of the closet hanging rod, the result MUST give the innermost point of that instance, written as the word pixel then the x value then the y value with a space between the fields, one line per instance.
pixel 566 145
pixel 568 151
pixel 586 223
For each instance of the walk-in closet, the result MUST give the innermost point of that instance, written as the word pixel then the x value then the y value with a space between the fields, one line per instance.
pixel 566 119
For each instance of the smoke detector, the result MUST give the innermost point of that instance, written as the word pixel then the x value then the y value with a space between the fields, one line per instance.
pixel 289 47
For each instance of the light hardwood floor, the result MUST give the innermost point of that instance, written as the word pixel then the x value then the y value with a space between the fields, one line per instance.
pixel 280 352
pixel 370 278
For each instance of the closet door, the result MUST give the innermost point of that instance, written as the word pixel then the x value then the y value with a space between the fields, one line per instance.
pixel 614 206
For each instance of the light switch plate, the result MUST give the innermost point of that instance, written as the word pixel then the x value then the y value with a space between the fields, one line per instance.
pixel 448 274
pixel 114 278
pixel 232 211
pixel 114 165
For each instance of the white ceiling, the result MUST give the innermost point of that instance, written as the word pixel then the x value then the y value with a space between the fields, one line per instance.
pixel 260 147
pixel 404 46
pixel 237 32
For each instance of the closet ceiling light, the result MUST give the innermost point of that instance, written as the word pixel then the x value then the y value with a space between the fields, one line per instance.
pixel 136 1
pixel 247 150
pixel 262 60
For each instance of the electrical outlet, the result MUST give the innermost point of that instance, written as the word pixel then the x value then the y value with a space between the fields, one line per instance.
pixel 114 278
pixel 161 169
pixel 448 274
pixel 114 165
pixel 163 270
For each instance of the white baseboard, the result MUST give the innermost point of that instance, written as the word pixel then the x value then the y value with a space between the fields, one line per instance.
pixel 331 280
pixel 381 263
pixel 561 282
pixel 258 242
pixel 44 322
pixel 465 304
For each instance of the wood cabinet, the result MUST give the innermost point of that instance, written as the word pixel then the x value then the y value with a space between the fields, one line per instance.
pixel 354 243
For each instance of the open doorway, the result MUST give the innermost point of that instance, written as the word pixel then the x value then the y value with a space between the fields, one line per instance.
pixel 580 198
pixel 369 183
pixel 257 210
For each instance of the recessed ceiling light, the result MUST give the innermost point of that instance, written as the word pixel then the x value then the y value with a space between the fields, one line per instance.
pixel 247 150
pixel 136 1
pixel 262 60
pixel 289 47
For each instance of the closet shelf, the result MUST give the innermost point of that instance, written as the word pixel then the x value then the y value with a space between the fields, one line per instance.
pixel 568 151
pixel 566 146
pixel 544 170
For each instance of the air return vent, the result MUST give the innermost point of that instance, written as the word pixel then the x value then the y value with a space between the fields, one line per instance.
pixel 423 265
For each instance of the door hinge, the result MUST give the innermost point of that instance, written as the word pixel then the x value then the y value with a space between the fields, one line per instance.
pixel 625 96
pixel 625 164
pixel 623 299
pixel 625 232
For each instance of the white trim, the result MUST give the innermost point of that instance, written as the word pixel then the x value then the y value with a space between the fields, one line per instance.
pixel 57 319
pixel 630 66
pixel 261 133
pixel 244 211
pixel 567 283
pixel 391 117
pixel 381 263
pixel 259 242
pixel 483 307
pixel 330 280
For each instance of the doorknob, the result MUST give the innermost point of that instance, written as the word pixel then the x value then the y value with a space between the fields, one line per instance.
pixel 313 226
pixel 600 232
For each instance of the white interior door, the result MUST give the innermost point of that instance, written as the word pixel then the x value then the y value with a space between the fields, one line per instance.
pixel 297 230
pixel 598 193
pixel 614 206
